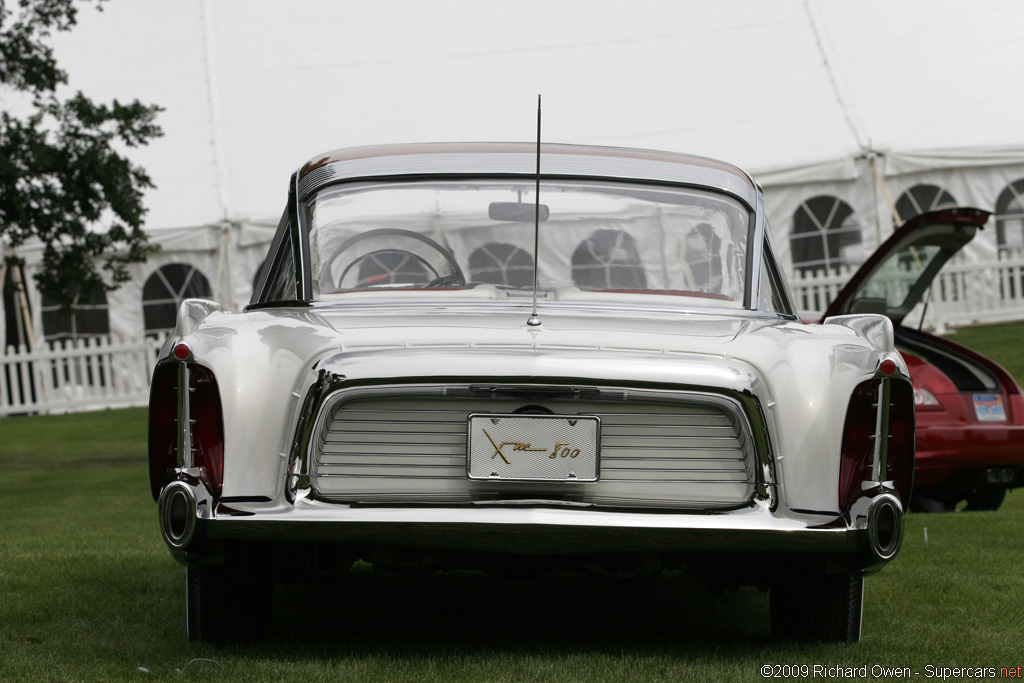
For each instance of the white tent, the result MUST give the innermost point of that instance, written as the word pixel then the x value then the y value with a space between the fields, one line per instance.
pixel 859 100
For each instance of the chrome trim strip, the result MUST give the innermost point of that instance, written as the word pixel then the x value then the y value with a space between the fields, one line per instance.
pixel 547 528
pixel 880 456
pixel 429 306
pixel 330 389
pixel 300 230
pixel 756 236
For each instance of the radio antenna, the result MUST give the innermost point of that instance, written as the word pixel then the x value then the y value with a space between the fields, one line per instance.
pixel 534 319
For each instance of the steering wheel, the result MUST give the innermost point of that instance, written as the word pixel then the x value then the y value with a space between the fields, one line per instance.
pixel 454 278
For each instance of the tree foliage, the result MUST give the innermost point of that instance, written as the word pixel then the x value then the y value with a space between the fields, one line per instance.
pixel 64 175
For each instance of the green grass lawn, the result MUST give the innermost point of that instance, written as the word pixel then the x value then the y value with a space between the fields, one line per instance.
pixel 1003 343
pixel 88 592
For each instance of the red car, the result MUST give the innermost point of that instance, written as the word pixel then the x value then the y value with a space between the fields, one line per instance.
pixel 970 411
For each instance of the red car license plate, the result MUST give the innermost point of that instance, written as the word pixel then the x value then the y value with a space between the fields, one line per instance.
pixel 989 408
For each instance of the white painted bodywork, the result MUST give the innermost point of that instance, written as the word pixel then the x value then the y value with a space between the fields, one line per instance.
pixel 265 361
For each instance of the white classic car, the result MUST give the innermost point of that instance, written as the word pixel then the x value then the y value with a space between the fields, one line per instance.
pixel 441 367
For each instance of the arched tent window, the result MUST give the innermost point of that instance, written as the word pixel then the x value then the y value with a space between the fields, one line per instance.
pixel 608 259
pixel 826 234
pixel 88 319
pixel 500 263
pixel 922 198
pixel 164 291
pixel 1010 216
pixel 704 258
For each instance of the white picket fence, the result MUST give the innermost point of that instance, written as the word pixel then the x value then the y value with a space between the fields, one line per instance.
pixel 88 374
pixel 964 293
pixel 102 373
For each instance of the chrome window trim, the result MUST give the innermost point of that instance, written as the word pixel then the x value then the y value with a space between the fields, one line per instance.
pixel 755 243
pixel 597 308
pixel 516 163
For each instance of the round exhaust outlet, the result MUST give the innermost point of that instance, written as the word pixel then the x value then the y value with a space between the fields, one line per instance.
pixel 177 514
pixel 885 526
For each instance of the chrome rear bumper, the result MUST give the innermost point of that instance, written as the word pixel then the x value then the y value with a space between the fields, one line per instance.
pixel 870 537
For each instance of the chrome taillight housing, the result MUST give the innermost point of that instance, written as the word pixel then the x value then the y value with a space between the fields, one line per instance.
pixel 185 413
pixel 882 406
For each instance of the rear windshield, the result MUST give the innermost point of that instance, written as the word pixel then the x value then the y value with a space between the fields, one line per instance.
pixel 597 241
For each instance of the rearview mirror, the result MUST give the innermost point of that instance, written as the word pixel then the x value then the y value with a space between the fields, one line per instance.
pixel 516 211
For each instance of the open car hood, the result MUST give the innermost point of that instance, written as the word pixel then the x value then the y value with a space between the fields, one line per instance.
pixel 898 274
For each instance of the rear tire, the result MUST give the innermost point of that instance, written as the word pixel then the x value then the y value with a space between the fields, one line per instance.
pixel 824 607
pixel 986 499
pixel 226 603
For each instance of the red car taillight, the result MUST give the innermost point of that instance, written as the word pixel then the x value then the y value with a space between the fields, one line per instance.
pixel 858 449
pixel 207 427
pixel 163 427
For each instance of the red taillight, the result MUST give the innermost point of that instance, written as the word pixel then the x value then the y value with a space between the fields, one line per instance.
pixel 902 431
pixel 858 445
pixel 207 427
pixel 858 454
pixel 163 427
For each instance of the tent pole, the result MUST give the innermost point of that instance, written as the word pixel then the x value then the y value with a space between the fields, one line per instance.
pixel 885 193
pixel 219 280
pixel 214 110
pixel 228 247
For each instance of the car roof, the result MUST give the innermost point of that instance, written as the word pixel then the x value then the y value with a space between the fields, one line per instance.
pixel 349 153
pixel 519 158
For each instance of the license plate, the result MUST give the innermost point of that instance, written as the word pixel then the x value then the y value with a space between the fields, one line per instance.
pixel 533 447
pixel 989 408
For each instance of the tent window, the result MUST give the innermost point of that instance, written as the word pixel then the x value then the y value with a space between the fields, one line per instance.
pixel 608 259
pixel 394 267
pixel 704 258
pixel 164 291
pixel 501 263
pixel 89 319
pixel 921 199
pixel 826 234
pixel 1010 216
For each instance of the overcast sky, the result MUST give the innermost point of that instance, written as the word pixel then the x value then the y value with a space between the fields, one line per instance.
pixel 253 88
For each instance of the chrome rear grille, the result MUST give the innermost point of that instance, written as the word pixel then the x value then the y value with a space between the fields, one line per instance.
pixel 694 451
